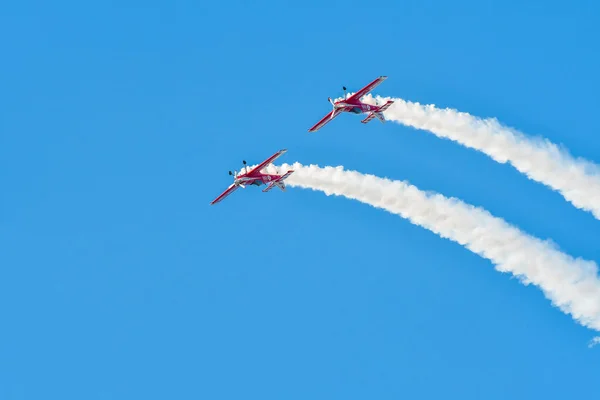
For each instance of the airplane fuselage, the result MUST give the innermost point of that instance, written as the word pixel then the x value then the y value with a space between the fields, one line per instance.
pixel 253 177
pixel 259 180
pixel 352 104
pixel 355 108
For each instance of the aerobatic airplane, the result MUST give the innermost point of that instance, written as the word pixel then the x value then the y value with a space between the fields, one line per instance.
pixel 354 105
pixel 255 177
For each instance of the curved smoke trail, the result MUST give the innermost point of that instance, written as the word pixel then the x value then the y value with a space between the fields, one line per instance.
pixel 577 180
pixel 570 284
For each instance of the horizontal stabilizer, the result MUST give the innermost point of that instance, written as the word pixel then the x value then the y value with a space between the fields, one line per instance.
pixel 284 176
pixel 279 182
pixel 271 186
pixel 369 118
pixel 379 113
pixel 385 106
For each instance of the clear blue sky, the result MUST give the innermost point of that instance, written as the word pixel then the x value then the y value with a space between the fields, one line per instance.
pixel 119 122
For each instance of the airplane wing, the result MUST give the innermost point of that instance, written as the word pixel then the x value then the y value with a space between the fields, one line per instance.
pixel 226 193
pixel 331 115
pixel 367 89
pixel 267 162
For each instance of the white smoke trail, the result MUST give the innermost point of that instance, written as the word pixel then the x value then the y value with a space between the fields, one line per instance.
pixel 570 284
pixel 577 180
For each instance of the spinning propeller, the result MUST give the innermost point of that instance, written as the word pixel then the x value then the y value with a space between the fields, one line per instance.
pixel 235 175
pixel 336 106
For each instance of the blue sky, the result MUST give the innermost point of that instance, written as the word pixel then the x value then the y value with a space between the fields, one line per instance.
pixel 119 122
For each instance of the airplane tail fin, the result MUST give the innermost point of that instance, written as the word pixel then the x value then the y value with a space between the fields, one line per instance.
pixel 378 114
pixel 279 182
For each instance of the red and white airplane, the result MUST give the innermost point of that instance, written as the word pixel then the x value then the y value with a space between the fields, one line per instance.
pixel 255 177
pixel 354 105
